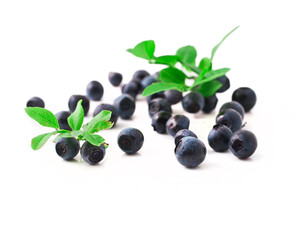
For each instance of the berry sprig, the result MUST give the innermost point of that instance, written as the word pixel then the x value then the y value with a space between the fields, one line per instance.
pixel 47 119
pixel 173 78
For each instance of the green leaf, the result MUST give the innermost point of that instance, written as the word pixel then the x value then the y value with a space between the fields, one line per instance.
pixel 43 116
pixel 170 60
pixel 77 133
pixel 96 140
pixel 207 89
pixel 211 75
pixel 158 87
pixel 99 122
pixel 39 141
pixel 75 119
pixel 219 44
pixel 188 54
pixel 205 63
pixel 191 67
pixel 172 75
pixel 144 50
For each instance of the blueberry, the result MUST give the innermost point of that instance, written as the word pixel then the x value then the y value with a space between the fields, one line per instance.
pixel 210 104
pixel 246 97
pixel 225 83
pixel 176 123
pixel 243 144
pixel 35 102
pixel 147 81
pixel 62 119
pixel 74 99
pixel 219 138
pixel 92 154
pixel 109 107
pixel 131 88
pixel 154 96
pixel 139 75
pixel 94 90
pixel 235 106
pixel 183 133
pixel 67 148
pixel 193 102
pixel 157 105
pixel 159 120
pixel 115 78
pixel 125 106
pixel 190 152
pixel 130 140
pixel 173 96
pixel 230 118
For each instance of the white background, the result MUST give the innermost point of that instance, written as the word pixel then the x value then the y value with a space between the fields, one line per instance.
pixel 52 49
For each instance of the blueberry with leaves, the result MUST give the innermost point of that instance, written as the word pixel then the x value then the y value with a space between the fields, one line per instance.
pixel 108 107
pixel 62 119
pixel 36 102
pixel 73 101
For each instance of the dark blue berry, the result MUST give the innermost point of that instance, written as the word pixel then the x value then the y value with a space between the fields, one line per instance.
pixel 67 148
pixel 115 78
pixel 140 75
pixel 230 118
pixel 62 119
pixel 130 140
pixel 225 84
pixel 173 96
pixel 125 106
pixel 35 102
pixel 219 138
pixel 190 152
pixel 235 106
pixel 74 99
pixel 92 154
pixel 109 107
pixel 131 88
pixel 159 120
pixel 246 97
pixel 94 90
pixel 210 104
pixel 183 133
pixel 157 105
pixel 147 81
pixel 154 96
pixel 193 102
pixel 176 123
pixel 243 144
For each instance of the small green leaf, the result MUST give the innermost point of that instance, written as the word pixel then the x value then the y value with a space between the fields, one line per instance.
pixel 39 141
pixel 96 140
pixel 170 60
pixel 205 63
pixel 219 44
pixel 66 135
pixel 191 67
pixel 158 87
pixel 43 116
pixel 211 75
pixel 207 89
pixel 75 119
pixel 99 122
pixel 77 133
pixel 172 75
pixel 188 54
pixel 144 50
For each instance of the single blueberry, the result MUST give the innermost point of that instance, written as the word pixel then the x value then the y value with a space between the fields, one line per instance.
pixel 131 88
pixel 74 99
pixel 193 102
pixel 235 106
pixel 35 102
pixel 225 83
pixel 190 152
pixel 139 75
pixel 147 81
pixel 154 96
pixel 109 107
pixel 176 123
pixel 219 138
pixel 246 97
pixel 115 78
pixel 92 154
pixel 173 96
pixel 243 144
pixel 159 120
pixel 130 140
pixel 67 148
pixel 183 133
pixel 210 104
pixel 62 119
pixel 157 105
pixel 125 106
pixel 230 118
pixel 94 90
